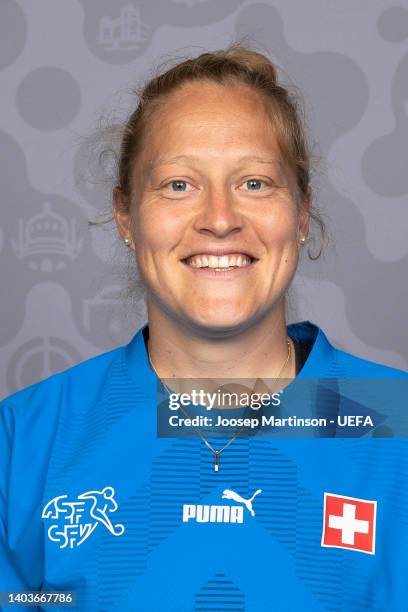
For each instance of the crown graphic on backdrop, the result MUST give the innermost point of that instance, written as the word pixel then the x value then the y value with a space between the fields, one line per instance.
pixel 124 33
pixel 47 240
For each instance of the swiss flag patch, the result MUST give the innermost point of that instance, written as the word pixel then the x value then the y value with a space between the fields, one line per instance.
pixel 349 522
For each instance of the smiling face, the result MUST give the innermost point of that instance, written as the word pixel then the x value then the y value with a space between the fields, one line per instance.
pixel 215 214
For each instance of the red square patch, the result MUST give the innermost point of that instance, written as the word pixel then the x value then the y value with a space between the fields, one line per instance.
pixel 349 522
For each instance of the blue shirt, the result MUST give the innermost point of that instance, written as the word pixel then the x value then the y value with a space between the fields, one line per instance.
pixel 92 501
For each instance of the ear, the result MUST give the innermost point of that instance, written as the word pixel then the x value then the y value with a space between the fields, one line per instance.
pixel 121 211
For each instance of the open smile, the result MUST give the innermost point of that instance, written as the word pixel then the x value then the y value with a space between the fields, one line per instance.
pixel 220 266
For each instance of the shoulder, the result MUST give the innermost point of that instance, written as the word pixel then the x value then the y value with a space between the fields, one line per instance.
pixel 350 365
pixel 364 367
pixel 82 378
pixel 34 418
pixel 327 360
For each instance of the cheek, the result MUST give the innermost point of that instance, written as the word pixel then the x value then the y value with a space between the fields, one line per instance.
pixel 158 229
pixel 145 229
pixel 145 240
pixel 156 235
pixel 280 230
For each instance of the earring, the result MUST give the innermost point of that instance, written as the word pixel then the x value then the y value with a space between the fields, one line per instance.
pixel 126 241
pixel 302 241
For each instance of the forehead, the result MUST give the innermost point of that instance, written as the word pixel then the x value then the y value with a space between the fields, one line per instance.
pixel 200 94
pixel 212 116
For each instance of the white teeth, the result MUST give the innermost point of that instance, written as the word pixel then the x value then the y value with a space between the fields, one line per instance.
pixel 224 261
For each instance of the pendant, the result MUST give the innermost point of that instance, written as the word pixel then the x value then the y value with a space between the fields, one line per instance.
pixel 216 461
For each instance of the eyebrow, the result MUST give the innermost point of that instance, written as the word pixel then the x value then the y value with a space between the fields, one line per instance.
pixel 246 158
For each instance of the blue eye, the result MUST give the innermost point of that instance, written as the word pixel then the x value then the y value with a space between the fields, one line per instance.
pixel 179 185
pixel 254 184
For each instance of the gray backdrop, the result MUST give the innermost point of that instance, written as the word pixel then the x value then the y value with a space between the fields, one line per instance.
pixel 63 65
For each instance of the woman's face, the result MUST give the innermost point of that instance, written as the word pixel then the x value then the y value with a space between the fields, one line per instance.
pixel 214 211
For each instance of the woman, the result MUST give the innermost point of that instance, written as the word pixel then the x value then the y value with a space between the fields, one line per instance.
pixel 214 198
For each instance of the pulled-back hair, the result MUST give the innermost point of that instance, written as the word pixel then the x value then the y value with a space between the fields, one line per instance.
pixel 234 65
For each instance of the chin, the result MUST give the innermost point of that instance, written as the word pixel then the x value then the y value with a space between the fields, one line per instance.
pixel 219 326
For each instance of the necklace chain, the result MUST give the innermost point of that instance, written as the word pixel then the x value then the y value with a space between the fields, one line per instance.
pixel 215 452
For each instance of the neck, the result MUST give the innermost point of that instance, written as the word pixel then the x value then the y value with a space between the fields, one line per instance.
pixel 259 351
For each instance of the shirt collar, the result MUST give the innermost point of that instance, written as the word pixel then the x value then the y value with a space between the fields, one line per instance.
pixel 322 354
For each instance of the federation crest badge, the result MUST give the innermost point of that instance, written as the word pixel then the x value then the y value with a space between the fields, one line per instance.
pixel 73 520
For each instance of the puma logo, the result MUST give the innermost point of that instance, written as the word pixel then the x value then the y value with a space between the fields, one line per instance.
pixel 229 494
pixel 220 514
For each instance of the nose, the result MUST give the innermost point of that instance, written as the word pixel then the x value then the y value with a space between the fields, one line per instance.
pixel 218 216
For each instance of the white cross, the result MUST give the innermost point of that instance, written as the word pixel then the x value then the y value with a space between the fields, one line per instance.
pixel 348 524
